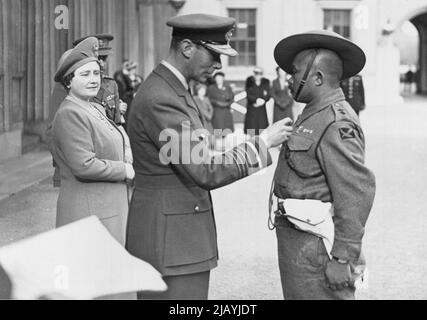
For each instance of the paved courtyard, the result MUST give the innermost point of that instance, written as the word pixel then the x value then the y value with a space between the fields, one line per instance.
pixel 396 233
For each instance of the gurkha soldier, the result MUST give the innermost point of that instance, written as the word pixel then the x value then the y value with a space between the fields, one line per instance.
pixel 325 192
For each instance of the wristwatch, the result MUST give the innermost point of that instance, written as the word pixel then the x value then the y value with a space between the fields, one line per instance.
pixel 341 261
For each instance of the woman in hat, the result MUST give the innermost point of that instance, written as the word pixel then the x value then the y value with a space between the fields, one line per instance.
pixel 89 148
pixel 258 93
pixel 221 97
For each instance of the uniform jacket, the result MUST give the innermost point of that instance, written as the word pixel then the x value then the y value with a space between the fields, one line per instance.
pixel 89 150
pixel 354 92
pixel 256 118
pixel 171 222
pixel 108 97
pixel 324 160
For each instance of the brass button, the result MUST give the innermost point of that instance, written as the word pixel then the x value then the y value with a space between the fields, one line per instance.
pixel 197 208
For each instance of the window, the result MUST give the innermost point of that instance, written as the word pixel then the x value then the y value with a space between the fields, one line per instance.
pixel 244 37
pixel 337 21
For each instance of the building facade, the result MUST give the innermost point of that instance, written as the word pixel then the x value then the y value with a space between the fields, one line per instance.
pixel 369 23
pixel 34 33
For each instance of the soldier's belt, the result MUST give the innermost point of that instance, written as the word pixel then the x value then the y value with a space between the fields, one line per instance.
pixel 311 216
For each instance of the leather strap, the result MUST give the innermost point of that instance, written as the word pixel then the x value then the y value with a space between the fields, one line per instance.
pixel 307 71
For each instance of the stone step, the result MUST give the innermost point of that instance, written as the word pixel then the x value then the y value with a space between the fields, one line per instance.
pixel 22 172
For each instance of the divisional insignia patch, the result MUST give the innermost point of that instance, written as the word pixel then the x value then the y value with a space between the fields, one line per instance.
pixel 347 133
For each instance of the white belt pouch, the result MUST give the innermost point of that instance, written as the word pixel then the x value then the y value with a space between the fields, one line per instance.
pixel 312 216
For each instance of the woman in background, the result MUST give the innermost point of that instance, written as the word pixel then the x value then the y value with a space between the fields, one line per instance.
pixel 221 97
pixel 258 93
pixel 89 148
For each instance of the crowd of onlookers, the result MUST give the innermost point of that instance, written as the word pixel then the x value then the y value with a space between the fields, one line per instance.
pixel 215 101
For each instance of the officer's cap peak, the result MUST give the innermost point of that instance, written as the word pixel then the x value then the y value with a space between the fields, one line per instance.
pixel 200 21
pixel 100 36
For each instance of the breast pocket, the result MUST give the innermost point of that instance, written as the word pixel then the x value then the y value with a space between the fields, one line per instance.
pixel 300 156
pixel 190 233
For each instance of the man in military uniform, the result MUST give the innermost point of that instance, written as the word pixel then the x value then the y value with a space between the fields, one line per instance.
pixel 354 92
pixel 171 223
pixel 325 192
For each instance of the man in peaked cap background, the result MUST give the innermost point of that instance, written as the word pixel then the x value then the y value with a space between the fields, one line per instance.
pixel 171 223
pixel 322 163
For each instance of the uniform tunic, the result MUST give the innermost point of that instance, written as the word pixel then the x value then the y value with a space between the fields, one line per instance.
pixel 324 160
pixel 108 97
pixel 171 222
pixel 354 92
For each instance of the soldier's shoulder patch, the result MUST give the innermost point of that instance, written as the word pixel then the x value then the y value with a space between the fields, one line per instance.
pixel 347 133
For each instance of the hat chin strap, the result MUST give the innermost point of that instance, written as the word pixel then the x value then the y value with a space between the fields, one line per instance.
pixel 307 71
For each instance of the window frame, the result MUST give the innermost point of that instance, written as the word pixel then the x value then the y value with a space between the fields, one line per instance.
pixel 341 26
pixel 250 56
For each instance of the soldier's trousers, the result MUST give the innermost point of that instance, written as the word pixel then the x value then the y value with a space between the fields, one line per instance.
pixel 302 264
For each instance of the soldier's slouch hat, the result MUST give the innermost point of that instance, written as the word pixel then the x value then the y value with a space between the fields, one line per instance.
pixel 352 55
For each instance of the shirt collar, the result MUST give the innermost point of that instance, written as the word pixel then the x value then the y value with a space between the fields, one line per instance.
pixel 321 102
pixel 176 72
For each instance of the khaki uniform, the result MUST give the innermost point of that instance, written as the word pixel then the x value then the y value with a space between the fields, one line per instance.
pixel 354 92
pixel 108 97
pixel 324 160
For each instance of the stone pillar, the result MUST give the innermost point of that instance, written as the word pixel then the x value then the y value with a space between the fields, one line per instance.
pixel 153 32
pixel 387 72
pixel 422 76
pixel 12 77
